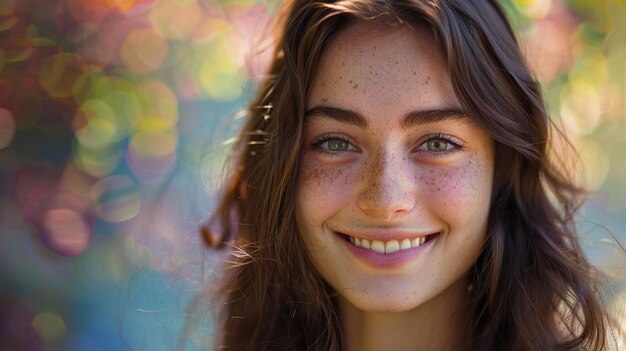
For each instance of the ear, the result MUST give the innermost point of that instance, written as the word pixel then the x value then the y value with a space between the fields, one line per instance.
pixel 211 237
pixel 243 190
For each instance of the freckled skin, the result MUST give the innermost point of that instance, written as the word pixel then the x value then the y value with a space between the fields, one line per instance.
pixel 389 182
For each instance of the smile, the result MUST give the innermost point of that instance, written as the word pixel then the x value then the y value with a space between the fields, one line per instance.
pixel 388 247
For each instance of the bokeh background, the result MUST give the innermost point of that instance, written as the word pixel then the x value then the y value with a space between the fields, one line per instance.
pixel 116 117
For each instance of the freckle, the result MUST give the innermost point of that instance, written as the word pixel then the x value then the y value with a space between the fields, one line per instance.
pixel 355 86
pixel 414 73
pixel 340 77
pixel 350 81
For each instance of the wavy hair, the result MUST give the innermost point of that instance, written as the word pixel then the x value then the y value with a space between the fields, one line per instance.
pixel 532 287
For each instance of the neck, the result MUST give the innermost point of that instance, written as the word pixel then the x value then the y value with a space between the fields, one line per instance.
pixel 434 325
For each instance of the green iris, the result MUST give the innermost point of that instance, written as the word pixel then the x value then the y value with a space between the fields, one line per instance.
pixel 437 145
pixel 338 145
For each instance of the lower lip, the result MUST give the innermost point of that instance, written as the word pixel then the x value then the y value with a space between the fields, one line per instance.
pixel 388 261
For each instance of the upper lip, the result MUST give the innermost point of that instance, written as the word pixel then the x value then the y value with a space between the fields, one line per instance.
pixel 387 234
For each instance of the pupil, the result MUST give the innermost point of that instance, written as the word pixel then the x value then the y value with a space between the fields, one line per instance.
pixel 438 145
pixel 337 145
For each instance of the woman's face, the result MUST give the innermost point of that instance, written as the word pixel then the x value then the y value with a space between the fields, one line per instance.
pixel 395 184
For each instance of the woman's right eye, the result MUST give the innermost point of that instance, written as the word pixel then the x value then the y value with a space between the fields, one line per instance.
pixel 337 145
pixel 334 144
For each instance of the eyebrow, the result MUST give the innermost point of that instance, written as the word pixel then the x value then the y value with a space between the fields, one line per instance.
pixel 412 119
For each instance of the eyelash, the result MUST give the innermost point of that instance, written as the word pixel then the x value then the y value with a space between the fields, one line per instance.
pixel 456 144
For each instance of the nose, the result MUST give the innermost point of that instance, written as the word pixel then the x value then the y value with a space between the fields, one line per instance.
pixel 387 190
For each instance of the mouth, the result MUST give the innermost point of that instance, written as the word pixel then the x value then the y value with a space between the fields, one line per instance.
pixel 390 246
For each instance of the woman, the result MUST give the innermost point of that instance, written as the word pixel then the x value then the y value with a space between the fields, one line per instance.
pixel 393 190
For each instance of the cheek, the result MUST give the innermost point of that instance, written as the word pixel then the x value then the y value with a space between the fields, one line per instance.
pixel 322 190
pixel 461 193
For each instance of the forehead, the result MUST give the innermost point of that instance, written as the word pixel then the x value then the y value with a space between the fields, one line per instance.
pixel 367 64
pixel 363 35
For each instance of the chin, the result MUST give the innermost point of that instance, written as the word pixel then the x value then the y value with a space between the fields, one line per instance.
pixel 382 303
pixel 386 308
pixel 398 299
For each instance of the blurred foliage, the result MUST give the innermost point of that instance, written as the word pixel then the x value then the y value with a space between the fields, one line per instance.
pixel 113 115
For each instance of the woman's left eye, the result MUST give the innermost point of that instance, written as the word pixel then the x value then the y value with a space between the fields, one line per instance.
pixel 440 144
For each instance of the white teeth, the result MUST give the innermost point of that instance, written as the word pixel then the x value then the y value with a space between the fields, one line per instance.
pixel 388 247
pixel 378 246
pixel 365 244
pixel 406 244
pixel 392 246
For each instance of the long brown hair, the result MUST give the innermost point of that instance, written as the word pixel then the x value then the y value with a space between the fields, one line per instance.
pixel 532 287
